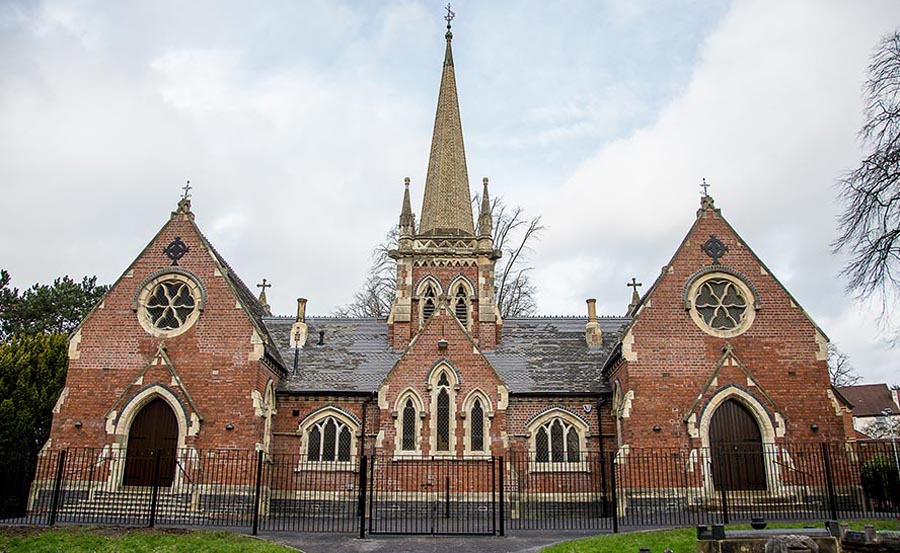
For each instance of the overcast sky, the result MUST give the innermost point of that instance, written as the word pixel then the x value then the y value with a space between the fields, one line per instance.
pixel 297 121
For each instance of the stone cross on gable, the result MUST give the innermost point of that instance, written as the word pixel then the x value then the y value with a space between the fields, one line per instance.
pixel 187 190
pixel 705 186
pixel 635 297
pixel 264 285
pixel 634 284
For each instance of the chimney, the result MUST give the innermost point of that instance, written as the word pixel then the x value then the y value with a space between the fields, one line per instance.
pixel 592 333
pixel 301 310
pixel 299 329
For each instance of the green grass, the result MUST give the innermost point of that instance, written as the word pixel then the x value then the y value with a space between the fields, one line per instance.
pixel 681 540
pixel 110 540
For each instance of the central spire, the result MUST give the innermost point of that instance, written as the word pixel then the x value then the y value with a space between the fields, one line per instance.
pixel 447 205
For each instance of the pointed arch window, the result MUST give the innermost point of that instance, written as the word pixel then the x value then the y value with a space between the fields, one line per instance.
pixel 408 438
pixel 558 442
pixel 461 305
pixel 443 385
pixel 328 440
pixel 477 422
pixel 429 303
pixel 443 414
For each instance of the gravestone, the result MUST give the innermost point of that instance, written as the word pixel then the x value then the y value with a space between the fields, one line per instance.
pixel 791 544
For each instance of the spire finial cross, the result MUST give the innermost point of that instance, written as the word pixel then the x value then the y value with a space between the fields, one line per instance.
pixel 264 285
pixel 187 190
pixel 705 186
pixel 450 15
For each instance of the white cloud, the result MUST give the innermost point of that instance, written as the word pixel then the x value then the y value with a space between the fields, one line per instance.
pixel 297 122
pixel 769 117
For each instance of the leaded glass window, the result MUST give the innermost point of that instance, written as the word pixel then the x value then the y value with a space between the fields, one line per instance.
pixel 408 441
pixel 315 444
pixel 541 446
pixel 343 453
pixel 170 304
pixel 721 304
pixel 573 449
pixel 328 440
pixel 477 426
pixel 557 450
pixel 443 419
pixel 557 441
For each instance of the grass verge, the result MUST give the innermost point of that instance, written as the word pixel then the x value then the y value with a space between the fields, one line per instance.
pixel 680 540
pixel 140 540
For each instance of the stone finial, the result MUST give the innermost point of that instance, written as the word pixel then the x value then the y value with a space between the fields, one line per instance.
pixel 407 218
pixel 184 203
pixel 592 333
pixel 485 220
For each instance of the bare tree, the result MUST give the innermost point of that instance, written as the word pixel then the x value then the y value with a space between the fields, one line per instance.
pixel 375 297
pixel 513 235
pixel 839 367
pixel 870 225
pixel 515 294
pixel 880 427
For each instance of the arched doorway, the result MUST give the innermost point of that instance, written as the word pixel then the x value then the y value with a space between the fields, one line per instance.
pixel 153 431
pixel 736 448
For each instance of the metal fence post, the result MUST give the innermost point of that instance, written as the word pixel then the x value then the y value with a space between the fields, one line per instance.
pixel 154 497
pixel 259 467
pixel 493 495
pixel 615 492
pixel 502 499
pixel 829 481
pixel 57 486
pixel 361 505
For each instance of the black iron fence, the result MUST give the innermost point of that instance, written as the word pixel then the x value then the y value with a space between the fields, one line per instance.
pixel 599 491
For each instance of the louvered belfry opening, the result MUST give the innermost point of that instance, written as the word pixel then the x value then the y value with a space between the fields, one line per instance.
pixel 462 307
pixel 736 447
pixel 428 307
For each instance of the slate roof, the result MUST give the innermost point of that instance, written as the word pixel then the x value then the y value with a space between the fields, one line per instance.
pixel 549 354
pixel 869 400
pixel 536 355
pixel 355 356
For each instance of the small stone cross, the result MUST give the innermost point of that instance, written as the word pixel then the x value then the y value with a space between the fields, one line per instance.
pixel 187 190
pixel 705 186
pixel 264 285
pixel 634 284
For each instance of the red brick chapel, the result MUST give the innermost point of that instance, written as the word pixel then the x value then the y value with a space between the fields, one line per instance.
pixel 180 355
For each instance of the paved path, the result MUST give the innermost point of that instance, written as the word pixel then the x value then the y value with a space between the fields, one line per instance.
pixel 339 543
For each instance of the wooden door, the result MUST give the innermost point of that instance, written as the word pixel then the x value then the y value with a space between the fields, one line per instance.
pixel 737 449
pixel 153 431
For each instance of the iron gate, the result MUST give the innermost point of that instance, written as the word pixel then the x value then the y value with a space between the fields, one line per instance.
pixel 433 496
